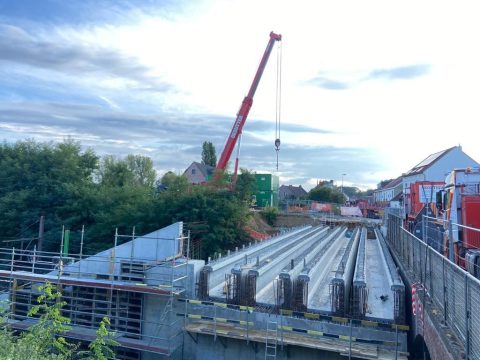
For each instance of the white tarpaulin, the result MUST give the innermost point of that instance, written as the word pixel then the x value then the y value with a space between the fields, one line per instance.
pixel 350 211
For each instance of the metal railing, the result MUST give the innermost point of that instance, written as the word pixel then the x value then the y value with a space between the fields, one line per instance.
pixel 452 289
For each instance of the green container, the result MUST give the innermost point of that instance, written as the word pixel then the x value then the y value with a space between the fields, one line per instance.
pixel 266 182
pixel 266 193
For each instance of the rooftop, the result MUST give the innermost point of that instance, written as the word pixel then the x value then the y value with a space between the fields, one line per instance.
pixel 427 162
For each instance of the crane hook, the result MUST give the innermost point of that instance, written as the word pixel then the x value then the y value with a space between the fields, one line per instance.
pixel 277 144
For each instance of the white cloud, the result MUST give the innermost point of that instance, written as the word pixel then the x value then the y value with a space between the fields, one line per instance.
pixel 209 53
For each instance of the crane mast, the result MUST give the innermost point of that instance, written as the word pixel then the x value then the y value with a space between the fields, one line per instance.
pixel 244 110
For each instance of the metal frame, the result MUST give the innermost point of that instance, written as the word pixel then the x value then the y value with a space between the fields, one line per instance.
pixel 452 289
pixel 91 296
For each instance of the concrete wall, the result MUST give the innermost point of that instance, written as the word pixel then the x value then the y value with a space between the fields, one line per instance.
pixel 207 348
pixel 162 275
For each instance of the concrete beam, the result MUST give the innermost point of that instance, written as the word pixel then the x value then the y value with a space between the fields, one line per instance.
pixel 267 273
pixel 219 268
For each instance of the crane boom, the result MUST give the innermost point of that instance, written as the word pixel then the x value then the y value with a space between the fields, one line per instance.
pixel 245 108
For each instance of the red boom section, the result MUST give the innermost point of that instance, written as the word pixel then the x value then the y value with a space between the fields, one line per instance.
pixel 245 107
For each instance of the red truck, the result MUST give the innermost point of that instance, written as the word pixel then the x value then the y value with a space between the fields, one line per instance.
pixel 459 204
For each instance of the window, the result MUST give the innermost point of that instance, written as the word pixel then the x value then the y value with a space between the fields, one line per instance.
pixel 193 171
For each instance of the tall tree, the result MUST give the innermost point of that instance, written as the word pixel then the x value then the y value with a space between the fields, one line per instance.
pixel 326 194
pixel 134 170
pixel 142 168
pixel 209 156
pixel 48 179
pixel 245 186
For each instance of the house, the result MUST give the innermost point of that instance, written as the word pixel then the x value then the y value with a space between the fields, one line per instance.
pixel 290 192
pixel 435 168
pixel 198 173
pixel 383 195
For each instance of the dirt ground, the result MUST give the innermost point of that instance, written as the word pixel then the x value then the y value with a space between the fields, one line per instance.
pixel 259 224
pixel 294 220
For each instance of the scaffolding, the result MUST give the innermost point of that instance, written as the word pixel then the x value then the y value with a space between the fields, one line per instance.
pixel 135 292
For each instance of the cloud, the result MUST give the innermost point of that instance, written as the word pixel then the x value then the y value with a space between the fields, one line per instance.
pixel 394 73
pixel 174 140
pixel 328 84
pixel 401 72
pixel 257 126
pixel 18 47
pixel 87 12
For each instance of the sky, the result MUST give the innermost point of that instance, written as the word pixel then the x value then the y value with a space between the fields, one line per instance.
pixel 368 88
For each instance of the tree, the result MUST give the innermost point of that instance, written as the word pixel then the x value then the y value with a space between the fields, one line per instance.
pixel 54 180
pixel 72 187
pixel 142 168
pixel 209 156
pixel 326 194
pixel 245 185
pixel 100 348
pixel 134 170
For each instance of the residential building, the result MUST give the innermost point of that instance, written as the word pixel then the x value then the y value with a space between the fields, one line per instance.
pixel 198 173
pixel 290 192
pixel 435 168
pixel 382 196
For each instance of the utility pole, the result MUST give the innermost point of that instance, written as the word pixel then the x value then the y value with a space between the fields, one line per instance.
pixel 342 183
pixel 41 228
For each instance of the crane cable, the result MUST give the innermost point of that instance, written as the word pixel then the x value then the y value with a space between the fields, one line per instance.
pixel 278 99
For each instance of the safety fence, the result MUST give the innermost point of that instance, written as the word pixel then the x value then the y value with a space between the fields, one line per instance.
pixel 452 289
pixel 245 323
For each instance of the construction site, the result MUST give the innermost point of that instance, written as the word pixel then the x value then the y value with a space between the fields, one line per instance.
pixel 393 275
pixel 302 294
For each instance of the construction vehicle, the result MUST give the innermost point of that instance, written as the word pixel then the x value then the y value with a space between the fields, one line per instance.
pixel 459 204
pixel 242 115
pixel 420 201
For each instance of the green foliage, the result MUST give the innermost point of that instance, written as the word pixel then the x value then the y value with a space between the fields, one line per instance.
pixel 75 188
pixel 45 336
pixel 55 180
pixel 44 340
pixel 100 348
pixel 208 154
pixel 134 170
pixel 175 183
pixel 326 194
pixel 270 215
pixel 245 186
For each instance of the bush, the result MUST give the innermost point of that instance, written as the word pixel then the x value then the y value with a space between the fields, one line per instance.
pixel 270 215
pixel 44 338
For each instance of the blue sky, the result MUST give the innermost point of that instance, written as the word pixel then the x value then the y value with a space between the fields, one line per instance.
pixel 368 89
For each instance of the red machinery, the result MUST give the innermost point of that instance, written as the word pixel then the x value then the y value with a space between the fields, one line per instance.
pixel 460 204
pixel 422 193
pixel 244 110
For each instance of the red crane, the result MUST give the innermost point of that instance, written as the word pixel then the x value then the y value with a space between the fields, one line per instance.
pixel 244 110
